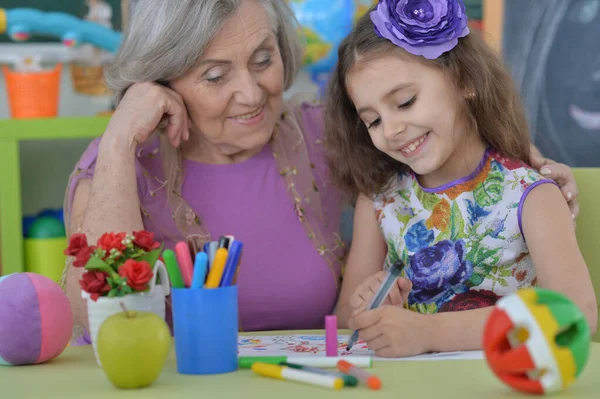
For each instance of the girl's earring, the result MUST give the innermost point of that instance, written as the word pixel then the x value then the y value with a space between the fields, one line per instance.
pixel 472 94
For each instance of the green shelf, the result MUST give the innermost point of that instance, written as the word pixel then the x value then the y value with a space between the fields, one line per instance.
pixel 53 128
pixel 13 131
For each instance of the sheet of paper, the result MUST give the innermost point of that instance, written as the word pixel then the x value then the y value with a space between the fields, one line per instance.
pixel 294 345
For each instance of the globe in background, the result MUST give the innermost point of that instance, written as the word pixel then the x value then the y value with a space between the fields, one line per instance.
pixel 324 24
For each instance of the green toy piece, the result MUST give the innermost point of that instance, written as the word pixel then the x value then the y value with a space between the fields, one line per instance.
pixel 46 227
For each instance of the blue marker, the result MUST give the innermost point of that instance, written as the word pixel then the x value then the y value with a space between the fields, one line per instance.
pixel 233 258
pixel 200 269
pixel 393 274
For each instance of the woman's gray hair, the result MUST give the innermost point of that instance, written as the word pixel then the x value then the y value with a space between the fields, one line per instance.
pixel 166 38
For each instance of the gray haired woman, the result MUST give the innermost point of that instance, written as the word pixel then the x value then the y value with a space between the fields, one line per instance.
pixel 202 144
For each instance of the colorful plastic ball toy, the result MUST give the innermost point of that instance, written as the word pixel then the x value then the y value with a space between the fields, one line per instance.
pixel 536 341
pixel 36 320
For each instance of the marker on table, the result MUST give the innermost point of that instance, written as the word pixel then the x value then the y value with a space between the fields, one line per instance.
pixel 331 336
pixel 185 262
pixel 233 259
pixel 216 271
pixel 200 266
pixel 370 380
pixel 349 381
pixel 286 373
pixel 245 362
pixel 392 276
pixel 173 269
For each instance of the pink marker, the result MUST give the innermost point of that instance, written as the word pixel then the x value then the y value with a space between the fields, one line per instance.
pixel 184 258
pixel 331 342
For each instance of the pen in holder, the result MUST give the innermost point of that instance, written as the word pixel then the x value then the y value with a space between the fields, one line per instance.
pixel 205 324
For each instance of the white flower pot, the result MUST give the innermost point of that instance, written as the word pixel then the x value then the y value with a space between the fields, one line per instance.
pixel 151 301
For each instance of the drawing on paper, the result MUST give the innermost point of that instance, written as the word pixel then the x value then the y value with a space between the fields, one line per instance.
pixel 289 345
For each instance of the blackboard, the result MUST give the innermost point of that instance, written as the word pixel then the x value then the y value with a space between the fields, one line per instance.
pixel 76 8
pixel 474 9
pixel 553 50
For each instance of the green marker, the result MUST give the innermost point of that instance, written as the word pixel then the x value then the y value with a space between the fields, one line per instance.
pixel 173 269
pixel 245 362
pixel 349 381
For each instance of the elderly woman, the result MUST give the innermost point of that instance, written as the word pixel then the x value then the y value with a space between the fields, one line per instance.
pixel 202 144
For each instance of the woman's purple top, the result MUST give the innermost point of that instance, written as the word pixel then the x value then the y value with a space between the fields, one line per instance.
pixel 283 282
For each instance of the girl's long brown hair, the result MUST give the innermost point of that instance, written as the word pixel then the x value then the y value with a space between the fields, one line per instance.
pixel 495 112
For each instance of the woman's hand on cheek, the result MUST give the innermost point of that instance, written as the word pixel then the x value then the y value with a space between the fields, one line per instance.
pixel 562 175
pixel 392 331
pixel 143 107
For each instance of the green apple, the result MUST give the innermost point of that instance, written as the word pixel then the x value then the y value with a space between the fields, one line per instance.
pixel 133 348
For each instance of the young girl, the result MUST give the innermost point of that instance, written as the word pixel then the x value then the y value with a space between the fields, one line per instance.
pixel 425 129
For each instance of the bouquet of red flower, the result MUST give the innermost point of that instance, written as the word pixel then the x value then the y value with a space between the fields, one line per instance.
pixel 119 264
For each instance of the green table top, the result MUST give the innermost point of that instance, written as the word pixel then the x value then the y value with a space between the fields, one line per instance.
pixel 75 374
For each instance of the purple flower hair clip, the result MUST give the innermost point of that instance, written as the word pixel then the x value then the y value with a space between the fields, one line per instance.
pixel 422 27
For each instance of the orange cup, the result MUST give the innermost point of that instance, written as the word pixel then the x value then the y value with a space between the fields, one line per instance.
pixel 33 94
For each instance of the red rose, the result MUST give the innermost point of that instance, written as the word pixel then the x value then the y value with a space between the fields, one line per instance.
pixel 109 241
pixel 94 283
pixel 137 273
pixel 145 240
pixel 77 242
pixel 472 299
pixel 83 256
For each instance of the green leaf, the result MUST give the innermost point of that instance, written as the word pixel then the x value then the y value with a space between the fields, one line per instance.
pixel 151 257
pixel 404 194
pixel 392 253
pixel 127 289
pixel 424 308
pixel 405 258
pixel 404 219
pixel 97 264
pixel 112 293
pixel 134 254
pixel 489 192
pixel 492 260
pixel 428 200
pixel 476 279
pixel 471 253
pixel 457 223
pixel 483 254
pixel 502 282
pixel 506 272
pixel 444 235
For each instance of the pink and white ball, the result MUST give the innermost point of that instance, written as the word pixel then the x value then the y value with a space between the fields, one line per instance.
pixel 35 319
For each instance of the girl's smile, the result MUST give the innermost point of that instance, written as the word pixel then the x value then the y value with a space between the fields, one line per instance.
pixel 414 147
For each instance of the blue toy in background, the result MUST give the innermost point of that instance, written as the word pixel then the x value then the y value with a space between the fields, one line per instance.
pixel 21 23
pixel 324 25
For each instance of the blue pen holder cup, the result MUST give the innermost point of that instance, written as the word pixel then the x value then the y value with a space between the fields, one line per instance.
pixel 205 325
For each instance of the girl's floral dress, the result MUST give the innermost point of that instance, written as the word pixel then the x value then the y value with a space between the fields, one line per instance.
pixel 462 243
